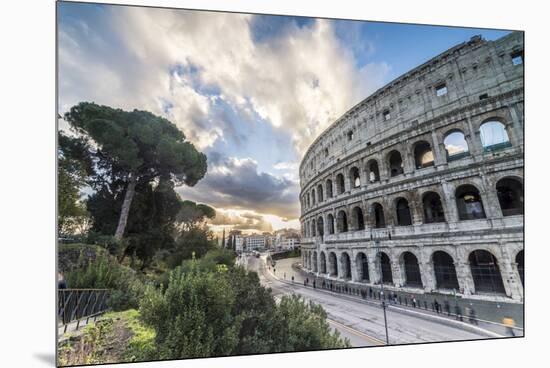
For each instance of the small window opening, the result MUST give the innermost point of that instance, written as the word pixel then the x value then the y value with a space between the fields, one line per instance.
pixel 386 115
pixel 441 90
pixel 517 57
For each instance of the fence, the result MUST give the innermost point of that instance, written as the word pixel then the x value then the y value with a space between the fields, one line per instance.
pixel 77 304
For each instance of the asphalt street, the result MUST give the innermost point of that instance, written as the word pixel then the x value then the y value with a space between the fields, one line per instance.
pixel 362 323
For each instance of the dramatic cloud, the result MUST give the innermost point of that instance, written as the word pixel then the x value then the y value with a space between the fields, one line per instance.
pixel 238 220
pixel 237 183
pixel 250 91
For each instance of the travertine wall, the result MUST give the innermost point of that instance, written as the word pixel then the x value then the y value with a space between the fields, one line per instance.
pixel 482 84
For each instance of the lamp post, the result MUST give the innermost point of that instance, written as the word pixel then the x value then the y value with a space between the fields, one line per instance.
pixel 377 246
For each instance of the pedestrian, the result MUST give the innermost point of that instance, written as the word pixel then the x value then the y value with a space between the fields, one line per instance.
pixel 447 308
pixel 370 293
pixel 472 316
pixel 414 302
pixel 436 305
pixel 307 280
pixel 510 324
pixel 314 284
pixel 293 279
pixel 61 282
pixel 458 313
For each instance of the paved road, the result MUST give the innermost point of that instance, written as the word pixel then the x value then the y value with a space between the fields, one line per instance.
pixel 362 323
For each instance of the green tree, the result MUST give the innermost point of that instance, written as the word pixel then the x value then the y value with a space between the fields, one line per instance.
pixel 137 147
pixel 74 166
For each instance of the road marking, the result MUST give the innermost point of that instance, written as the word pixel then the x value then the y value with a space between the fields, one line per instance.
pixel 357 333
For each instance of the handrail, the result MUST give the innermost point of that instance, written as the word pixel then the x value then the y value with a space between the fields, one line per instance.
pixel 77 304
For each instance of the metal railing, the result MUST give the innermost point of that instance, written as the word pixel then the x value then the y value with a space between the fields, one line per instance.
pixel 77 304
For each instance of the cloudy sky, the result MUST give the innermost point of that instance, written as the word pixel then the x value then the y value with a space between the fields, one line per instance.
pixel 250 91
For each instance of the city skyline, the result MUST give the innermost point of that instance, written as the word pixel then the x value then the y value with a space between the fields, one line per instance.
pixel 252 100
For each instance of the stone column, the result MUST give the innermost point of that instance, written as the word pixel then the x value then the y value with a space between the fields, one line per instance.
pixel 451 214
pixel 427 275
pixel 415 207
pixel 396 273
pixel 510 276
pixel 353 265
pixel 464 276
pixel 474 140
pixel 438 149
pixel 374 268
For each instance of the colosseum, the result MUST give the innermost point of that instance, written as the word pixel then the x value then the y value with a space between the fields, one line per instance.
pixel 419 187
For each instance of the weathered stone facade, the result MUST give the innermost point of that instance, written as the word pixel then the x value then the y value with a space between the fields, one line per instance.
pixel 385 197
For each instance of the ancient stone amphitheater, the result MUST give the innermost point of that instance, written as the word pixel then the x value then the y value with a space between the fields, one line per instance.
pixel 420 185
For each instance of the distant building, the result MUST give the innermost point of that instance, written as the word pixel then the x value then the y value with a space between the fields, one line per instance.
pixel 255 242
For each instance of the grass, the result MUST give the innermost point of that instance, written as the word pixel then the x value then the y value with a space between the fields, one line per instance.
pixel 116 337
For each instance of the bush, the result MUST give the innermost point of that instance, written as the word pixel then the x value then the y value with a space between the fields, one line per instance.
pixel 105 273
pixel 205 311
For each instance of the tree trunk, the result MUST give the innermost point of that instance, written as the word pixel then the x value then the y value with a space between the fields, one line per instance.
pixel 123 219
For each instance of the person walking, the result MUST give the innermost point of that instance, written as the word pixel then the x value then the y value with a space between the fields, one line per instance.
pixel 472 316
pixel 510 324
pixel 436 305
pixel 61 282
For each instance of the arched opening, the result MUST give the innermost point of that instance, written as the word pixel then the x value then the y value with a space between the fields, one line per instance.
pixel 433 209
pixel 332 264
pixel 323 263
pixel 373 172
pixel 423 155
pixel 520 265
pixel 313 226
pixel 468 203
pixel 308 201
pixel 485 272
pixel 340 185
pixel 510 196
pixel 314 258
pixel 403 212
pixel 330 223
pixel 445 272
pixel 385 268
pixel 313 196
pixel 358 220
pixel 319 193
pixel 412 270
pixel 354 176
pixel 396 163
pixel 346 266
pixel 455 145
pixel 362 265
pixel 320 226
pixel 342 225
pixel 493 136
pixel 379 220
pixel 329 188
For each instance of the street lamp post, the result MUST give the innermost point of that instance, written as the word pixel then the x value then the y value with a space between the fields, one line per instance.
pixel 378 255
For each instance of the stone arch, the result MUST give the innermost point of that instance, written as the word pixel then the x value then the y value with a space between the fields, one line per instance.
pixel 402 212
pixel 342 221
pixel 520 264
pixel 329 188
pixel 345 263
pixel 433 208
pixel 340 183
pixel 469 203
pixel 378 215
pixel 358 219
pixel 314 258
pixel 313 226
pixel 411 269
pixel 493 134
pixel 444 270
pixel 355 177
pixel 322 263
pixel 330 223
pixel 373 171
pixel 320 193
pixel 510 196
pixel 332 264
pixel 362 267
pixel 395 163
pixel 455 144
pixel 384 264
pixel 423 155
pixel 313 196
pixel 486 272
pixel 320 226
